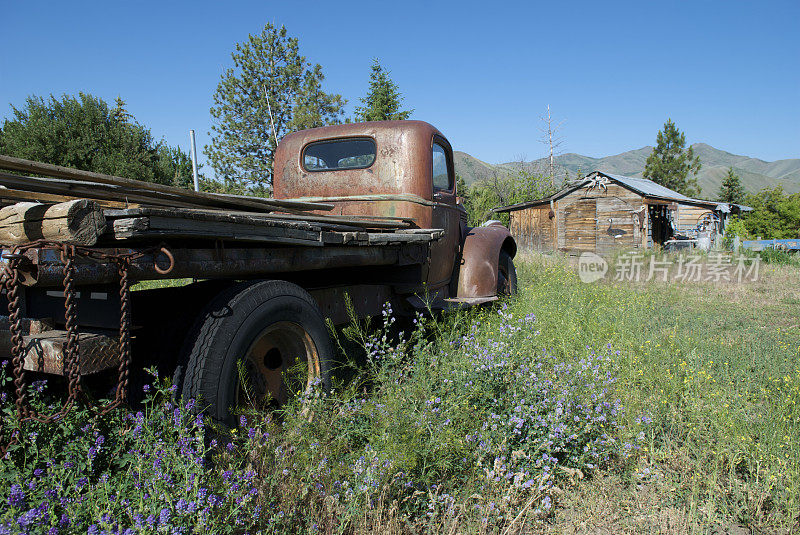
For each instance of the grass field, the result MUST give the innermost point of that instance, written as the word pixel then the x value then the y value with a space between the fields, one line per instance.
pixel 718 368
pixel 575 408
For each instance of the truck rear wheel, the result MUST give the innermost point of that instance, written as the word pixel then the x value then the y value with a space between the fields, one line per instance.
pixel 277 332
pixel 506 276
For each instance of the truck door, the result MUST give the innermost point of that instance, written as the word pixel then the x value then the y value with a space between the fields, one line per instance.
pixel 445 214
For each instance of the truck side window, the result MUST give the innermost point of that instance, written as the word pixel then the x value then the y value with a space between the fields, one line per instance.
pixel 442 181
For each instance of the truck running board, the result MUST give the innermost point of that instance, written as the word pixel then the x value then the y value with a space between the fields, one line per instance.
pixel 472 301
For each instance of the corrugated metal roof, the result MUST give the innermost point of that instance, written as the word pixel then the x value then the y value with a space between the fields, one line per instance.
pixel 648 188
pixel 642 186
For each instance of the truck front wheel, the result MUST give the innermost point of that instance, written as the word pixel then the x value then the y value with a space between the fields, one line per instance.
pixel 256 344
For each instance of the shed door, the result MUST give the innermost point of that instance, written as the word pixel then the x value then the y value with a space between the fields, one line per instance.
pixel 580 226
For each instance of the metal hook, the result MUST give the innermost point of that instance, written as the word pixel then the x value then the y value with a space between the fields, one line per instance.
pixel 171 259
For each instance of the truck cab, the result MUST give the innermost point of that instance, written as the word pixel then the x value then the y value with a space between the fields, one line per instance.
pixel 397 169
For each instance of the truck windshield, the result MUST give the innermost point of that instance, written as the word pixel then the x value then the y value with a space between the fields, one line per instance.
pixel 353 153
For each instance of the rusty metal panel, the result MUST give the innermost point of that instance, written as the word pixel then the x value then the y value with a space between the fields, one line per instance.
pixel 477 275
pixel 444 252
pixel 402 166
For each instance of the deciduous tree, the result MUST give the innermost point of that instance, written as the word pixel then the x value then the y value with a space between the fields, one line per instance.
pixel 270 90
pixel 84 133
pixel 503 190
pixel 671 165
pixel 775 215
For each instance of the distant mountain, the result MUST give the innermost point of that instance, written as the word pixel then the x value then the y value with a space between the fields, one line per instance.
pixel 755 174
pixel 472 169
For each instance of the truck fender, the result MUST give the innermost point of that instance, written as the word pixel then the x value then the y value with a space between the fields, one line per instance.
pixel 480 254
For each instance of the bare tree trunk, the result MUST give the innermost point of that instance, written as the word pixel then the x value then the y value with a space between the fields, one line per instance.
pixel 551 137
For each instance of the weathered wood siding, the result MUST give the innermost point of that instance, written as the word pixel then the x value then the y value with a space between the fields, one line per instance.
pixel 533 228
pixel 688 217
pixel 599 220
pixel 579 225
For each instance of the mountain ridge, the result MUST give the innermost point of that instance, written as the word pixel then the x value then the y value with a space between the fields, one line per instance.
pixel 754 173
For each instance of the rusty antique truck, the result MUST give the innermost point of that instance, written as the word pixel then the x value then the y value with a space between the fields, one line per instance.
pixel 364 213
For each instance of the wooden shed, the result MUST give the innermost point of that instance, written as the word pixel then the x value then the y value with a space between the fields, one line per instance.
pixel 605 211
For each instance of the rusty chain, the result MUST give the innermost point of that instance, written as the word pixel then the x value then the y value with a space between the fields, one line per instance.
pixel 11 282
pixel 121 393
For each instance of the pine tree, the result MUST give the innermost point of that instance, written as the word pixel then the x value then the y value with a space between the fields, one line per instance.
pixel 670 165
pixel 120 113
pixel 462 190
pixel 313 107
pixel 383 99
pixel 270 90
pixel 731 190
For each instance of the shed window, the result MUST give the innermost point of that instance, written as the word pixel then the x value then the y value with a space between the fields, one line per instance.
pixel 337 154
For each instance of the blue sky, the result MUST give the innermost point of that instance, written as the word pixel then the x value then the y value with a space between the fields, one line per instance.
pixel 728 73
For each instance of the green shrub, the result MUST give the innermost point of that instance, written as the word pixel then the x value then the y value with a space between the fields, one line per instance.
pixel 770 255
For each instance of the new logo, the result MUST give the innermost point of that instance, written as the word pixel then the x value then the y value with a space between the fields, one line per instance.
pixel 591 267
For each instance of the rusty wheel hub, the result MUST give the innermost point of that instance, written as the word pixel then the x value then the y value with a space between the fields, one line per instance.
pixel 281 362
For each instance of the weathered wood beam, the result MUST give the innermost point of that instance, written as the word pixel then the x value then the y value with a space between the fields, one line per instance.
pixel 317 220
pixel 163 228
pixel 160 227
pixel 78 222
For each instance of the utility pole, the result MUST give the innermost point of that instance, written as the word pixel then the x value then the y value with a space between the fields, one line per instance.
pixel 194 160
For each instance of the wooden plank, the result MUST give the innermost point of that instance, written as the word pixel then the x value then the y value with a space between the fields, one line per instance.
pixel 132 232
pixel 162 228
pixel 580 225
pixel 14 195
pixel 212 228
pixel 189 215
pixel 375 238
pixel 355 222
pixel 688 217
pixel 79 222
pixel 86 190
pixel 195 197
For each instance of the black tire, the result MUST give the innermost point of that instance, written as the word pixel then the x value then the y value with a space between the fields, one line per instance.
pixel 506 276
pixel 264 324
